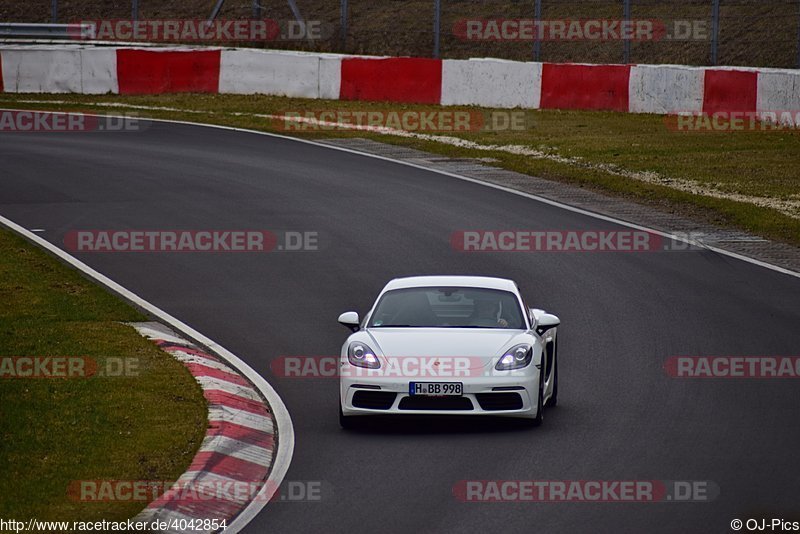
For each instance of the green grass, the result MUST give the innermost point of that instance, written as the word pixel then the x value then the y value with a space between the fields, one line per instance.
pixel 59 430
pixel 760 164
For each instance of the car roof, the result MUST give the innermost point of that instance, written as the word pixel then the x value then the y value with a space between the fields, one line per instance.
pixel 487 282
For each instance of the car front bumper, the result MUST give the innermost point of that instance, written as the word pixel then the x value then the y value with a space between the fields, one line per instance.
pixel 511 396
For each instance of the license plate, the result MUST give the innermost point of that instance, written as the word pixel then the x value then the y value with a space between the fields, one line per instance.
pixel 436 389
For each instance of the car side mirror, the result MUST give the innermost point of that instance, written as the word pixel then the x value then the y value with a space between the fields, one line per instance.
pixel 350 320
pixel 545 322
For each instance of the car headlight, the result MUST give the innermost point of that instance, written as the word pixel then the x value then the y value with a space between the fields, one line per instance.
pixel 360 355
pixel 516 357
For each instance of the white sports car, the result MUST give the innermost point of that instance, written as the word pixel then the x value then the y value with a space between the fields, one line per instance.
pixel 449 345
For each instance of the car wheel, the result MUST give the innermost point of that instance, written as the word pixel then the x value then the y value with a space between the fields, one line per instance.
pixel 553 400
pixel 345 421
pixel 539 419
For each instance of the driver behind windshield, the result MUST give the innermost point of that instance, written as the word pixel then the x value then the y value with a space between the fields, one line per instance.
pixel 486 314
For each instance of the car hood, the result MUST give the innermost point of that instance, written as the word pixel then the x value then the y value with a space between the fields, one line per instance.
pixel 480 345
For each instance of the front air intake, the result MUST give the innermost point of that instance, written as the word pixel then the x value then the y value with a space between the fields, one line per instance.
pixel 374 400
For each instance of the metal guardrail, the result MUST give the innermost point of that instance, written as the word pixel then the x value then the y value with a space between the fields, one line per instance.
pixel 46 31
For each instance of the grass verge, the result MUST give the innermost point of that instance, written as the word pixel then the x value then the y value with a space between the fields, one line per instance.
pixel 54 431
pixel 591 149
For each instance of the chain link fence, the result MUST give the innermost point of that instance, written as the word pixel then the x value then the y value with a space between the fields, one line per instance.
pixel 759 33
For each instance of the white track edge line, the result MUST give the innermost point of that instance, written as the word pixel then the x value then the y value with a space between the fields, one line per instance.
pixel 284 446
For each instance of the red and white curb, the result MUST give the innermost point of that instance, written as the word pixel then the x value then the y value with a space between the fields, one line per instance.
pixel 283 430
pixel 238 448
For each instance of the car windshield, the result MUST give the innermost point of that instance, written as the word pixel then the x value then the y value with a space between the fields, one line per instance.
pixel 448 307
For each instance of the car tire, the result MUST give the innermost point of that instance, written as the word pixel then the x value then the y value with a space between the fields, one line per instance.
pixel 345 421
pixel 539 419
pixel 553 400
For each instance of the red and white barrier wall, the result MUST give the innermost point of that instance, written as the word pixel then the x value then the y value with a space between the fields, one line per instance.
pixel 479 82
pixel 491 83
pixel 58 69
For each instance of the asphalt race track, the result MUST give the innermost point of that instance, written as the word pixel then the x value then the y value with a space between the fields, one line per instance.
pixel 620 416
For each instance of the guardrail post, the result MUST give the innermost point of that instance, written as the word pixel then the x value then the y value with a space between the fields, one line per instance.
pixel 134 9
pixel 343 25
pixel 798 34
pixel 437 19
pixel 537 43
pixel 714 31
pixel 215 11
pixel 54 11
pixel 626 43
